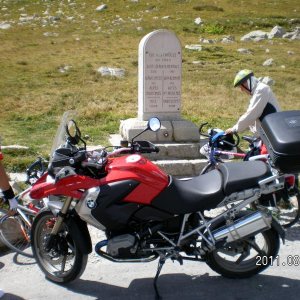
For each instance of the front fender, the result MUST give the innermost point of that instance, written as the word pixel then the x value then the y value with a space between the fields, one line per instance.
pixel 80 234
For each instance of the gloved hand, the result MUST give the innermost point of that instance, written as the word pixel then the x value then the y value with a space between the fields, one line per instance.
pixel 13 204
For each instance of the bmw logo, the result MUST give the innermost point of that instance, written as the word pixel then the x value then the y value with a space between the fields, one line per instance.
pixel 91 203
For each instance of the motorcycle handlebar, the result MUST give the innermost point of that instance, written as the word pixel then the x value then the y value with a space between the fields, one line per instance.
pixel 97 157
pixel 144 147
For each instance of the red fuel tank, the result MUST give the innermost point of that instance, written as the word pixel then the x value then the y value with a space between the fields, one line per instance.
pixel 151 178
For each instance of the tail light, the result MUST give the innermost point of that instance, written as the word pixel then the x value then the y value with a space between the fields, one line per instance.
pixel 290 180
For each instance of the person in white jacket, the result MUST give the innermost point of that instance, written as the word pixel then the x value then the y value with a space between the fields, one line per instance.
pixel 262 102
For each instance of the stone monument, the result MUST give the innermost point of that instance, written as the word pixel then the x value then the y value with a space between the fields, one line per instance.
pixel 159 90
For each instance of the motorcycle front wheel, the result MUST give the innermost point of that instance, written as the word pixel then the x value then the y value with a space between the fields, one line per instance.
pixel 246 257
pixel 64 262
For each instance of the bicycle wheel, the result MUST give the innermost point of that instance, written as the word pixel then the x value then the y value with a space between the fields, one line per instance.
pixel 3 212
pixel 209 167
pixel 288 205
pixel 15 234
pixel 284 206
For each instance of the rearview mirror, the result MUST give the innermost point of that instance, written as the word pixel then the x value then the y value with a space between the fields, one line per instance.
pixel 73 132
pixel 71 129
pixel 154 124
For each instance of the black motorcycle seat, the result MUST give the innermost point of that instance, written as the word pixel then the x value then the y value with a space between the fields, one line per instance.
pixel 191 195
pixel 242 175
pixel 206 191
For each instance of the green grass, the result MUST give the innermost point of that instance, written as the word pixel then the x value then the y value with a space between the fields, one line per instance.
pixel 34 94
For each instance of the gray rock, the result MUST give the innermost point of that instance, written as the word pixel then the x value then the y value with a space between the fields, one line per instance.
pixel 50 34
pixel 258 39
pixel 228 39
pixel 107 71
pixel 277 32
pixel 198 21
pixel 294 35
pixel 194 47
pixel 27 19
pixel 244 51
pixel 4 25
pixel 64 68
pixel 207 41
pixel 101 7
pixel 288 35
pixel 268 62
pixel 267 80
pixel 254 35
pixel 15 147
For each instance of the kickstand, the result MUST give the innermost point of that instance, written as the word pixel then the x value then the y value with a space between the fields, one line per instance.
pixel 159 267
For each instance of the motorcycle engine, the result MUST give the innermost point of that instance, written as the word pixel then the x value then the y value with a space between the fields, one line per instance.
pixel 122 246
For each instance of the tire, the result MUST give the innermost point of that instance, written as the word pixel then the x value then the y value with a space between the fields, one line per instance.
pixel 15 234
pixel 247 267
pixel 64 262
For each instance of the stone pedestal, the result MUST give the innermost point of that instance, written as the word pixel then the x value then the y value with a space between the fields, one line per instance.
pixel 159 91
pixel 171 131
pixel 159 95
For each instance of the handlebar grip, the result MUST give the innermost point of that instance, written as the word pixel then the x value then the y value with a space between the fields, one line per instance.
pixel 145 147
pixel 146 150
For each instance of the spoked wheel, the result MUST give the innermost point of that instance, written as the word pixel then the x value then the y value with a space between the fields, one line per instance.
pixel 246 257
pixel 284 205
pixel 289 206
pixel 64 262
pixel 15 233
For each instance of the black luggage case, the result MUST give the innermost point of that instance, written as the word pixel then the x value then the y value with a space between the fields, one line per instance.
pixel 280 133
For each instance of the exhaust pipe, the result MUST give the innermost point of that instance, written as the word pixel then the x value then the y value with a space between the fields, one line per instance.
pixel 243 227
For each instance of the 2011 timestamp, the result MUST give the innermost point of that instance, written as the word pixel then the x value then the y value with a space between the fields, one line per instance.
pixel 290 261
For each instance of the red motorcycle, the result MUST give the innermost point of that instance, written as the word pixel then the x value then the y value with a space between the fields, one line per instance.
pixel 147 214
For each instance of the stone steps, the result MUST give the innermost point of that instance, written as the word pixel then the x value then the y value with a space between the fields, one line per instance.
pixel 176 159
pixel 182 167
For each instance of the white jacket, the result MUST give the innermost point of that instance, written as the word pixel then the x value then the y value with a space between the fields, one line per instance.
pixel 261 96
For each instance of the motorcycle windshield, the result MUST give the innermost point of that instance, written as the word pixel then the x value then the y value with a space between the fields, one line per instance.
pixel 60 136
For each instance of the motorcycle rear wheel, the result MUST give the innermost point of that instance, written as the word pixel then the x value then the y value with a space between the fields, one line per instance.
pixel 64 262
pixel 228 261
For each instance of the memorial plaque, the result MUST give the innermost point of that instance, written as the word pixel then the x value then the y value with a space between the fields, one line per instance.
pixel 159 91
pixel 159 76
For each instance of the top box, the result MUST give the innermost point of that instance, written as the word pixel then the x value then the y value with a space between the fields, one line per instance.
pixel 280 133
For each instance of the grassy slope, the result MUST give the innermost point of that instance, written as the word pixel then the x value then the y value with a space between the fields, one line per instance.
pixel 34 94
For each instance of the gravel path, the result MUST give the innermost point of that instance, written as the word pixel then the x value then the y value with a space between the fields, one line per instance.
pixel 21 278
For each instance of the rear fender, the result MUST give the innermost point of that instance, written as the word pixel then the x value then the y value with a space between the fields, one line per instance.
pixel 79 232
